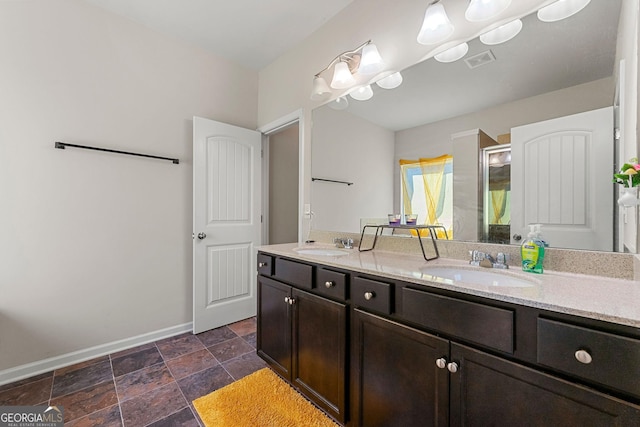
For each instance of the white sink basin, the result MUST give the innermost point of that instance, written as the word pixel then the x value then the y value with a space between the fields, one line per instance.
pixel 321 251
pixel 478 277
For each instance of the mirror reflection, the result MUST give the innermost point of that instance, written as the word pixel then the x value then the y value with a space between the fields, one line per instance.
pixel 467 109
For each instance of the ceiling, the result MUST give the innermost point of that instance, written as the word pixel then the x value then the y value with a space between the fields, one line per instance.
pixel 544 57
pixel 250 32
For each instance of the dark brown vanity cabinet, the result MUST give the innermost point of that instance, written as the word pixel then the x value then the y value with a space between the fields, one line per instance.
pixel 421 356
pixel 302 336
pixel 394 378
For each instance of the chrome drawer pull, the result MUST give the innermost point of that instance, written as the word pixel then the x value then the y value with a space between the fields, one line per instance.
pixel 262 264
pixel 452 367
pixel 441 363
pixel 583 356
pixel 328 284
pixel 369 295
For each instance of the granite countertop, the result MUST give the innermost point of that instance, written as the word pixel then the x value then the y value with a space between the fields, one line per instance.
pixel 611 300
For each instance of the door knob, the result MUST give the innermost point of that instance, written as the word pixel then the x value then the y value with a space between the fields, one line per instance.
pixel 452 367
pixel 369 295
pixel 441 363
pixel 201 235
pixel 328 284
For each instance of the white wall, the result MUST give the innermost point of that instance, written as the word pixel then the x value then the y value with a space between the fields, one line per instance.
pixel 96 247
pixel 348 148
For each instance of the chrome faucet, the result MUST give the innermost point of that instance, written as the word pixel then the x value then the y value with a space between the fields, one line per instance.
pixel 343 242
pixel 483 259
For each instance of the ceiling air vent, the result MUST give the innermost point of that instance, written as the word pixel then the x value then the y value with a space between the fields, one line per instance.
pixel 480 59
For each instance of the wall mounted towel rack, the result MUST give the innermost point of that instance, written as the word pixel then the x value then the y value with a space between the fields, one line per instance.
pixel 63 145
pixel 332 180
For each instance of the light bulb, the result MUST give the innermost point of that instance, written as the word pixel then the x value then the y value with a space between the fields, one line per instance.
pixel 481 10
pixel 370 61
pixel 436 26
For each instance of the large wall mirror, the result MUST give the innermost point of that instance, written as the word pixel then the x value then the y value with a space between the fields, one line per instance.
pixel 548 71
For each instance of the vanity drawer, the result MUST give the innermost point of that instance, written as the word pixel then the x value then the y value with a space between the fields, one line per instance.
pixel 482 324
pixel 371 294
pixel 265 264
pixel 295 273
pixel 602 357
pixel 331 283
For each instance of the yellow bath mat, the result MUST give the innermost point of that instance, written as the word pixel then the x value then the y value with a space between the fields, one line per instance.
pixel 261 399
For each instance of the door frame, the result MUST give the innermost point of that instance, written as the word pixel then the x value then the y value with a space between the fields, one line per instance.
pixel 269 129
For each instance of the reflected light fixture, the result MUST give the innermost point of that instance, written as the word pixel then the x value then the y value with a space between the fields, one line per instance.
pixel 339 103
pixel 363 60
pixel 362 93
pixel 321 90
pixel 453 54
pixel 436 25
pixel 391 81
pixel 502 34
pixel 481 10
pixel 561 9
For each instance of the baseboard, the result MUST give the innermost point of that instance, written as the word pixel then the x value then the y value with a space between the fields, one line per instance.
pixel 47 365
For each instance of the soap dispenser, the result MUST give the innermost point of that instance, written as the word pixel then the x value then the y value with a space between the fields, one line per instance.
pixel 532 251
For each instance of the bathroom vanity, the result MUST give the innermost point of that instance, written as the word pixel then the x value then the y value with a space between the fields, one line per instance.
pixel 374 339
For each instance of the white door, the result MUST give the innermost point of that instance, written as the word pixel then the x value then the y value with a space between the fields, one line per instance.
pixel 226 222
pixel 561 177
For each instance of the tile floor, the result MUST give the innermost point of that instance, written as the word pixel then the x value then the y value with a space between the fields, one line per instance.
pixel 150 385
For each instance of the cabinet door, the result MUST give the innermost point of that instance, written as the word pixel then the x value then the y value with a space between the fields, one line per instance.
pixel 395 380
pixel 274 325
pixel 489 391
pixel 319 355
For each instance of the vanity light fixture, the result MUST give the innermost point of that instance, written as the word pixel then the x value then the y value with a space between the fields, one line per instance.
pixel 453 54
pixel 339 103
pixel 363 60
pixel 481 10
pixel 391 81
pixel 321 90
pixel 502 34
pixel 436 26
pixel 561 9
pixel 362 93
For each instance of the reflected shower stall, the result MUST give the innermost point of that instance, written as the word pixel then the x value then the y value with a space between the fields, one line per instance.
pixel 496 168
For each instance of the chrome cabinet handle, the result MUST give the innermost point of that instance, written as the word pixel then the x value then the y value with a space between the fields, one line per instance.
pixel 289 300
pixel 583 356
pixel 441 363
pixel 262 264
pixel 328 284
pixel 369 295
pixel 286 300
pixel 452 367
pixel 201 235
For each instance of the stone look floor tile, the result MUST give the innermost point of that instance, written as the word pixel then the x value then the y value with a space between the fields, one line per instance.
pixel 152 406
pixel 30 393
pixel 133 361
pixel 156 382
pixel 88 400
pixel 108 417
pixel 142 381
pixel 179 345
pixel 216 336
pixel 77 379
pixel 243 327
pixel 191 363
pixel 183 418
pixel 204 382
pixel 244 365
pixel 230 349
